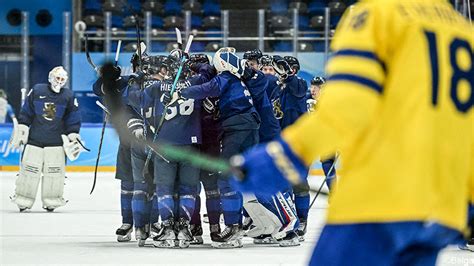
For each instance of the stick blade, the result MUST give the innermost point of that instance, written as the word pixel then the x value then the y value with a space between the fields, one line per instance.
pixel 179 39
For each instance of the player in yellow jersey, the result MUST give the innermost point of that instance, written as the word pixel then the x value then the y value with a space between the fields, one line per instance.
pixel 398 105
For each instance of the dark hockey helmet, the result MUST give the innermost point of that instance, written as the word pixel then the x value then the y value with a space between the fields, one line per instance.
pixel 199 58
pixel 173 64
pixel 151 65
pixel 254 54
pixel 265 60
pixel 293 62
pixel 318 81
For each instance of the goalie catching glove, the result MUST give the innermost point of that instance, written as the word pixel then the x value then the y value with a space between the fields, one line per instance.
pixel 72 146
pixel 274 159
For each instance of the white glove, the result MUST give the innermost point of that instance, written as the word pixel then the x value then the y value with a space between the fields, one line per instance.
pixel 72 149
pixel 74 137
pixel 166 99
pixel 139 133
pixel 209 105
pixel 20 134
pixel 310 104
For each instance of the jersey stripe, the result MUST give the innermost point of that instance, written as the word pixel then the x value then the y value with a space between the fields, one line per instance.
pixel 357 79
pixel 360 53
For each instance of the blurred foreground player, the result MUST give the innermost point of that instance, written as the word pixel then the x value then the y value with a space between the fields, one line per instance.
pixel 123 170
pixel 399 107
pixel 48 125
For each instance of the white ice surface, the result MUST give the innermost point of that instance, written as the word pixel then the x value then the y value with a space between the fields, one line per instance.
pixel 83 232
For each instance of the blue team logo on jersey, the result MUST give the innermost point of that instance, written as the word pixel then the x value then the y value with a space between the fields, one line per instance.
pixel 49 111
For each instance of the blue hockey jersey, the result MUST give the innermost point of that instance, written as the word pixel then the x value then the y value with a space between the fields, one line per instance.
pixel 50 114
pixel 269 126
pixel 182 124
pixel 234 97
pixel 289 102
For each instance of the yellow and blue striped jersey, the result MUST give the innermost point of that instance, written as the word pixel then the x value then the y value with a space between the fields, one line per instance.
pixel 398 106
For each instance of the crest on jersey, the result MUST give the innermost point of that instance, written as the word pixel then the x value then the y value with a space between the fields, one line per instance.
pixel 49 111
pixel 277 112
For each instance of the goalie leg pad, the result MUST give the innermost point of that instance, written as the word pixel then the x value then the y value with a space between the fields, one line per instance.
pixel 52 188
pixel 29 177
pixel 265 221
pixel 287 213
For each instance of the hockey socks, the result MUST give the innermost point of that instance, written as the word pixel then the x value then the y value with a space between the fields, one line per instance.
pixel 328 166
pixel 302 206
pixel 213 206
pixel 141 205
pixel 126 195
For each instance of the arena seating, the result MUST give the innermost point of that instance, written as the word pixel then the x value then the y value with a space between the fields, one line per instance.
pixel 206 18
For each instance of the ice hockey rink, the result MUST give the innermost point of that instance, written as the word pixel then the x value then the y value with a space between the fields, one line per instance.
pixel 83 232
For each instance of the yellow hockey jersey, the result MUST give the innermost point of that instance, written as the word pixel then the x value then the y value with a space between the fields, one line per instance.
pixel 398 106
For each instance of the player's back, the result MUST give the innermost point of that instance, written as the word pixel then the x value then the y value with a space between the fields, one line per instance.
pixel 414 156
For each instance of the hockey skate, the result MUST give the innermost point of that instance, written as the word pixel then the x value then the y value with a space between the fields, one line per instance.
pixel 215 230
pixel 264 240
pixel 301 231
pixel 48 209
pixel 290 240
pixel 469 246
pixel 141 234
pixel 166 236
pixel 196 231
pixel 231 237
pixel 184 234
pixel 124 233
pixel 247 225
pixel 155 229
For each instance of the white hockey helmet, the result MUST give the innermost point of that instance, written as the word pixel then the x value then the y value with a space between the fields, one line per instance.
pixel 58 78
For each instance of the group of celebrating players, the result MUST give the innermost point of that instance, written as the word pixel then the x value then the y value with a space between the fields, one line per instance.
pixel 221 106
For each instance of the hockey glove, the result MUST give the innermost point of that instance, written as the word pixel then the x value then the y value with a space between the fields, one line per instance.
pixel 136 126
pixel 268 168
pixel 72 146
pixel 282 68
pixel 209 105
pixel 137 77
pixel 168 99
pixel 247 71
pixel 20 134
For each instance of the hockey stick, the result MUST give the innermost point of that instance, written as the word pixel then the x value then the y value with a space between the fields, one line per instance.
pixel 88 56
pixel 179 39
pixel 173 88
pixel 324 181
pixel 104 124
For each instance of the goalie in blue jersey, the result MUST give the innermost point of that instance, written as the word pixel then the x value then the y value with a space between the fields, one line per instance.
pixel 48 126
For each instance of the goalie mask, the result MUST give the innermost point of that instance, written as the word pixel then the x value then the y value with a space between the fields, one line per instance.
pixel 58 78
pixel 225 59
